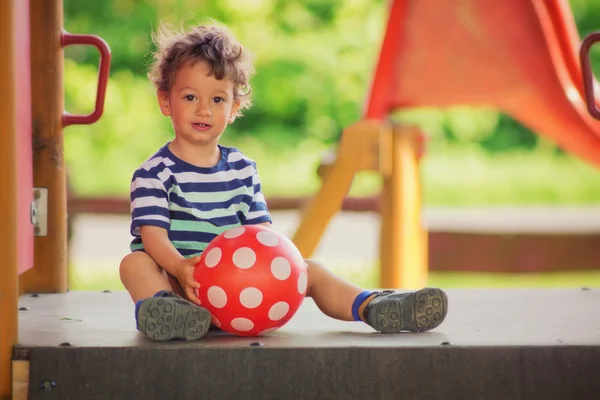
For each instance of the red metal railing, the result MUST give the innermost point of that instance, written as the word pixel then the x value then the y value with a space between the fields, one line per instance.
pixel 68 39
pixel 588 75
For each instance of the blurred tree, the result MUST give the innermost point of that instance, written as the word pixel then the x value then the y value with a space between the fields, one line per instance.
pixel 314 59
pixel 316 53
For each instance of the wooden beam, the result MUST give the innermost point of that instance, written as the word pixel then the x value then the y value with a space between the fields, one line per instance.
pixel 8 199
pixel 49 273
pixel 20 380
pixel 120 205
pixel 358 151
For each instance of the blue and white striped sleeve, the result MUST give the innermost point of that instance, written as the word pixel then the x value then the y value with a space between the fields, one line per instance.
pixel 258 212
pixel 149 202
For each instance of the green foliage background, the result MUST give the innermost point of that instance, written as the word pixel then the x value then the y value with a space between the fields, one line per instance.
pixel 314 59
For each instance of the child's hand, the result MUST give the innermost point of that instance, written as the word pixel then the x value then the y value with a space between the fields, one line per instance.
pixel 185 276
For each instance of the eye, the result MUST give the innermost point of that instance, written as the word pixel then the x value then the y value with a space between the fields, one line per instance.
pixel 190 97
pixel 218 100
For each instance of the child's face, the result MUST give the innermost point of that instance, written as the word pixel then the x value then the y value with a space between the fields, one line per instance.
pixel 200 106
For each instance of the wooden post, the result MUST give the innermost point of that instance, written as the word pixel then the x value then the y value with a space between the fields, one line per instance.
pixel 403 240
pixel 358 151
pixel 20 380
pixel 49 273
pixel 8 198
pixel 394 153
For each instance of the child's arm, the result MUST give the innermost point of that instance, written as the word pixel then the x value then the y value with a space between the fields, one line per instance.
pixel 159 247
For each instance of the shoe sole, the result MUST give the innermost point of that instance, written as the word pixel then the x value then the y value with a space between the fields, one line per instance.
pixel 420 311
pixel 166 318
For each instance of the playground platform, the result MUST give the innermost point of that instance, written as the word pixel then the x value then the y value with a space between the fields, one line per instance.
pixel 494 344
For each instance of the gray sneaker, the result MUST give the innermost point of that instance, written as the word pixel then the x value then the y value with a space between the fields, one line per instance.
pixel 167 316
pixel 420 311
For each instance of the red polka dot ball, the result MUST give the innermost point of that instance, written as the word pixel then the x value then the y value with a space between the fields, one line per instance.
pixel 252 280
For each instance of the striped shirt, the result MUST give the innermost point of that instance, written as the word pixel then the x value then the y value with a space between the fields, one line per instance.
pixel 195 204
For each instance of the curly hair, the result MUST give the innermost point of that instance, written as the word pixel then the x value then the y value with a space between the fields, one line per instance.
pixel 212 44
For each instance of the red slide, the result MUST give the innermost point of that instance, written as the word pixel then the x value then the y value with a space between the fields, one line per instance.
pixel 520 56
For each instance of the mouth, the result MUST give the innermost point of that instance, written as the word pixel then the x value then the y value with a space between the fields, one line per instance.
pixel 200 126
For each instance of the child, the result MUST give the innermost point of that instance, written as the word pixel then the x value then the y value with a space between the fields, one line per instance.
pixel 193 188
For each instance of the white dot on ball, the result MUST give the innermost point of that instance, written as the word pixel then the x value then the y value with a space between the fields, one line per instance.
pixel 251 297
pixel 216 322
pixel 217 296
pixel 278 311
pixel 244 258
pixel 267 238
pixel 302 282
pixel 234 232
pixel 242 324
pixel 281 268
pixel 213 257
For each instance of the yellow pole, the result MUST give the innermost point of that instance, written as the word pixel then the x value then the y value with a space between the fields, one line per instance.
pixel 49 273
pixel 358 151
pixel 8 200
pixel 403 239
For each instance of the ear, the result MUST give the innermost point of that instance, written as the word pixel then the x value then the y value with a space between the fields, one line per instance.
pixel 234 109
pixel 163 102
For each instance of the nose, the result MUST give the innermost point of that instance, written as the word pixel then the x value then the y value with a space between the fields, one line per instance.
pixel 203 109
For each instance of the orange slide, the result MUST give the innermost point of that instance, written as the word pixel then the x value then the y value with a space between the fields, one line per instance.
pixel 520 56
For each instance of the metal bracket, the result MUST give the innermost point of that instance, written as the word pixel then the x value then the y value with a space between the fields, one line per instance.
pixel 39 211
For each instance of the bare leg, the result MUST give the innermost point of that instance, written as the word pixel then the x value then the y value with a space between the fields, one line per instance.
pixel 388 312
pixel 333 295
pixel 143 278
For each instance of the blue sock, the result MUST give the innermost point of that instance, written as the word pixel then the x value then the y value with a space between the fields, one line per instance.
pixel 137 308
pixel 358 302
